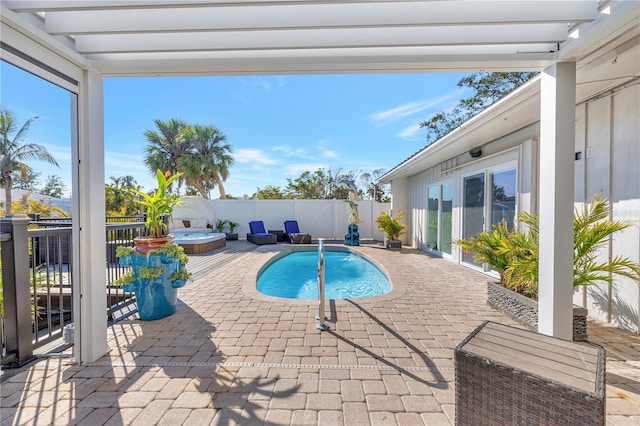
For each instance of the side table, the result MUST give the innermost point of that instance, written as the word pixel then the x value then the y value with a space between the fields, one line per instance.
pixel 279 233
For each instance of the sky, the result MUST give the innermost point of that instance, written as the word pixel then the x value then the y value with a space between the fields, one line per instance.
pixel 277 126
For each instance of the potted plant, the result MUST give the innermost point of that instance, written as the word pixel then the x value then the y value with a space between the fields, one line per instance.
pixel 220 225
pixel 158 266
pixel 158 206
pixel 232 235
pixel 392 227
pixel 514 255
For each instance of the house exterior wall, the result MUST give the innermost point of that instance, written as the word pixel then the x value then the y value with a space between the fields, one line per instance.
pixel 608 135
pixel 608 138
pixel 518 149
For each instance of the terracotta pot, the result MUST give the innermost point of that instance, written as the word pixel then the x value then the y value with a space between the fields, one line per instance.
pixel 146 245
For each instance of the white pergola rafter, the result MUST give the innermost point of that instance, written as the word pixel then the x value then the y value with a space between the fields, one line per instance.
pixel 138 37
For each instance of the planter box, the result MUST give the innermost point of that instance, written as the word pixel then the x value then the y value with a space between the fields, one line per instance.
pixel 231 236
pixel 525 310
pixel 393 244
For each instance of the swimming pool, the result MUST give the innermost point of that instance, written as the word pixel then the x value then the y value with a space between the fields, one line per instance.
pixel 347 275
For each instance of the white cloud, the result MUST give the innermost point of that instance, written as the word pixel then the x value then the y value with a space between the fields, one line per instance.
pixel 389 116
pixel 121 161
pixel 59 152
pixel 297 169
pixel 409 131
pixel 290 151
pixel 255 156
pixel 325 152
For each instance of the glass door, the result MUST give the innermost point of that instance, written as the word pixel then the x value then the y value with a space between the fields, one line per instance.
pixel 503 197
pixel 433 206
pixel 472 210
pixel 446 217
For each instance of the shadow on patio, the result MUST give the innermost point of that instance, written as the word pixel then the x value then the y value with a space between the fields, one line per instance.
pixel 230 355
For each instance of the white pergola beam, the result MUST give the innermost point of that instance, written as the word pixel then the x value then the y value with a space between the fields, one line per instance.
pixel 278 16
pixel 321 38
pixel 555 7
pixel 425 53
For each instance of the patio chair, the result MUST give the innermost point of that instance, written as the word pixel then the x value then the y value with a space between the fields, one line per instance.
pixel 293 235
pixel 258 235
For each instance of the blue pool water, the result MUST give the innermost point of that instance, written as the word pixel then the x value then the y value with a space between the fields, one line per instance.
pixel 347 275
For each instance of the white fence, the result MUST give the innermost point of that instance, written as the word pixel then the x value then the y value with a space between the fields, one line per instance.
pixel 320 218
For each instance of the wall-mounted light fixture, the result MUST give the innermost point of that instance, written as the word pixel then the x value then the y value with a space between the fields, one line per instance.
pixel 475 152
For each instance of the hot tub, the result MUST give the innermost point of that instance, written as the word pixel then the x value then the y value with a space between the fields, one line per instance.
pixel 200 242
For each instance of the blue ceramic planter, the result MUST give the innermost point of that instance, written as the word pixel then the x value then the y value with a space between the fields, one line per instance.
pixel 157 297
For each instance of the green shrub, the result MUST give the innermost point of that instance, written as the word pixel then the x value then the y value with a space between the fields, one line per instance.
pixel 391 226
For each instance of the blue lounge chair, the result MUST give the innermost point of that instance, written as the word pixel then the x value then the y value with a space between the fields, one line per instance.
pixel 258 235
pixel 293 235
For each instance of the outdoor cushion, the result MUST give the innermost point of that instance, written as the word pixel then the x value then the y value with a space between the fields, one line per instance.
pixel 257 227
pixel 259 235
pixel 293 235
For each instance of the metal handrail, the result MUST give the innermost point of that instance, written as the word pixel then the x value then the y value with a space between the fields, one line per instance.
pixel 321 324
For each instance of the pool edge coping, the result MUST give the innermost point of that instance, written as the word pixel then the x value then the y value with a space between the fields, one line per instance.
pixel 250 278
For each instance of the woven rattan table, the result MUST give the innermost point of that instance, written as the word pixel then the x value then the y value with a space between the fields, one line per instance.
pixel 508 376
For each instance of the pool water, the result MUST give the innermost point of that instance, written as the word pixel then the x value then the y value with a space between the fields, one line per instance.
pixel 347 275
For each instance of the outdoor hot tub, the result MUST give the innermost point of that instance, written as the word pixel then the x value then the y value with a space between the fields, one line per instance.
pixel 200 242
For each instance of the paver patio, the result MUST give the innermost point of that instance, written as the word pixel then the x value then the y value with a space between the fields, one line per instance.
pixel 230 355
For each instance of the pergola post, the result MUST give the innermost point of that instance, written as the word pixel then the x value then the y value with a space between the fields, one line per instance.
pixel 557 141
pixel 90 302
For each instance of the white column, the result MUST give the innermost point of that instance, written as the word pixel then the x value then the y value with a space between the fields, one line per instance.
pixel 399 202
pixel 557 139
pixel 90 302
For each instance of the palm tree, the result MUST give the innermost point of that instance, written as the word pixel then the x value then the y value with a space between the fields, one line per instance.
pixel 207 162
pixel 166 145
pixel 13 152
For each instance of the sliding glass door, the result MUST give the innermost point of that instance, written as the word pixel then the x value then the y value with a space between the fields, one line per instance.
pixel 439 217
pixel 472 210
pixel 503 197
pixel 489 194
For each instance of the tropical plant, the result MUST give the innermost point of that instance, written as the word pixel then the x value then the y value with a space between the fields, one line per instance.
pixel 199 152
pixel 166 145
pixel 207 159
pixel 232 225
pixel 592 231
pixel 220 225
pixel 489 247
pixel 13 152
pixel 27 206
pixel 158 204
pixel 391 226
pixel 119 199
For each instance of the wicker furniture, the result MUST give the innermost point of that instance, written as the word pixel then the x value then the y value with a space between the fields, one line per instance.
pixel 279 233
pixel 258 235
pixel 293 235
pixel 508 376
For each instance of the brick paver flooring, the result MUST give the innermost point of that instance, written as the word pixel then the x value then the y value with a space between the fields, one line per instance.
pixel 230 355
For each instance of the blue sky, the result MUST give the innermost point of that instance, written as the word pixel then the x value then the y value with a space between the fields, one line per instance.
pixel 278 126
